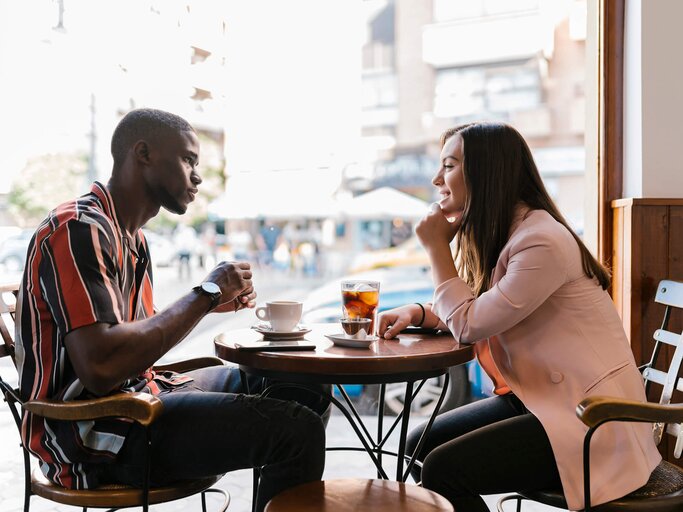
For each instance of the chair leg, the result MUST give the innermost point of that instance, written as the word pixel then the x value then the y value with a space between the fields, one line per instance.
pixel 147 471
pixel 254 492
pixel 226 498
pixel 510 497
pixel 27 480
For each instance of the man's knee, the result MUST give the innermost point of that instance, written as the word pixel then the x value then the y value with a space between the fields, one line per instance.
pixel 309 427
pixel 298 423
pixel 305 439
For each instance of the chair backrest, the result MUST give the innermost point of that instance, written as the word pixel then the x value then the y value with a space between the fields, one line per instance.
pixel 8 299
pixel 669 293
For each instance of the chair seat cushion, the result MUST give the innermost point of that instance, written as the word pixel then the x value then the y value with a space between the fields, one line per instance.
pixel 109 496
pixel 663 492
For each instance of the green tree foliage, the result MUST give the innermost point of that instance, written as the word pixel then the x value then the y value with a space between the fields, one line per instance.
pixel 51 179
pixel 45 182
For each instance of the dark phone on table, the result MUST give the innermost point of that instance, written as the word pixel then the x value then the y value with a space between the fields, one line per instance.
pixel 420 330
pixel 271 346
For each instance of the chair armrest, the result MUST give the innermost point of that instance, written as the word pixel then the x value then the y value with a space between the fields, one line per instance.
pixel 190 364
pixel 597 409
pixel 13 287
pixel 140 407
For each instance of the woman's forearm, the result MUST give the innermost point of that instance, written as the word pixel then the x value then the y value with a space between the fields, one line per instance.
pixel 443 267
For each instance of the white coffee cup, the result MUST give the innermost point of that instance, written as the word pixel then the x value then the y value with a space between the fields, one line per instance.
pixel 283 315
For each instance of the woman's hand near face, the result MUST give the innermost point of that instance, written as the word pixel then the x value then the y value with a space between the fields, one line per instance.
pixel 434 229
pixel 435 233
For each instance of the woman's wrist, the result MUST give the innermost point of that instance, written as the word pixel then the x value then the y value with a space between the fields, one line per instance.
pixel 419 320
pixel 430 318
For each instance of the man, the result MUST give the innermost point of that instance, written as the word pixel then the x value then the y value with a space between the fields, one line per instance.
pixel 86 327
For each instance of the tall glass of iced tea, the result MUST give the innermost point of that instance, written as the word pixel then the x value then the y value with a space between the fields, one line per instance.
pixel 360 300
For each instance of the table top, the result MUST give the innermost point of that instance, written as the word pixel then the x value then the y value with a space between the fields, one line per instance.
pixel 411 355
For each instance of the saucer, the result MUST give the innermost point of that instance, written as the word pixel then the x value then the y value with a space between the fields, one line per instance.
pixel 270 334
pixel 343 340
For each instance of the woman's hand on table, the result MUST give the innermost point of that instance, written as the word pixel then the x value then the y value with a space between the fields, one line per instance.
pixel 393 321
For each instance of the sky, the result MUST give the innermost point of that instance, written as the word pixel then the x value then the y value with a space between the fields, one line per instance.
pixel 287 97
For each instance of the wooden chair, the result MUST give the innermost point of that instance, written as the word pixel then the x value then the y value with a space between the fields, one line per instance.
pixel 354 495
pixel 140 407
pixel 664 491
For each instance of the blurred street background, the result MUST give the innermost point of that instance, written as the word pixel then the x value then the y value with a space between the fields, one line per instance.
pixel 346 464
pixel 319 124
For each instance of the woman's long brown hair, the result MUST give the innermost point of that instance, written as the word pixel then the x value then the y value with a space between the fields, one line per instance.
pixel 499 172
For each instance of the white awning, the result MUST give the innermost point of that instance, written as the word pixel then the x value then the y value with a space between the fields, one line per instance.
pixel 384 203
pixel 306 195
pixel 288 194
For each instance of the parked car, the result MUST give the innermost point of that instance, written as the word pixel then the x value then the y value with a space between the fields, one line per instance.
pixel 399 285
pixel 162 250
pixel 13 251
pixel 409 253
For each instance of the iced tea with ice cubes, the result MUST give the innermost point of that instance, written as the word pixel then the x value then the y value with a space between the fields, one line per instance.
pixel 360 300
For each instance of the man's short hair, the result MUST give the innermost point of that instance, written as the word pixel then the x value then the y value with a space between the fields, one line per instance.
pixel 143 123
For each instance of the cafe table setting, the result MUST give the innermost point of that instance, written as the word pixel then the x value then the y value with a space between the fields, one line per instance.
pixel 281 348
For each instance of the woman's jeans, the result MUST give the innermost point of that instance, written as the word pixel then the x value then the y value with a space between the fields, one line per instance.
pixel 491 446
pixel 213 428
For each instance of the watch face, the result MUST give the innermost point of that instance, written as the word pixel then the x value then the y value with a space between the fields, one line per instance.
pixel 211 288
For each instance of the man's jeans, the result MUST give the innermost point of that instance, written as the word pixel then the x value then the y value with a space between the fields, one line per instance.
pixel 212 428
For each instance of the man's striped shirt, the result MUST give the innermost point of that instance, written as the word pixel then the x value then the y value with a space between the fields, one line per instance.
pixel 81 268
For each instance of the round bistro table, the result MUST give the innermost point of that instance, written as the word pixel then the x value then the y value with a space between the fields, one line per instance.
pixel 411 358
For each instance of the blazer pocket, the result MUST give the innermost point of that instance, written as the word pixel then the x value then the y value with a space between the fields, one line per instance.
pixel 612 372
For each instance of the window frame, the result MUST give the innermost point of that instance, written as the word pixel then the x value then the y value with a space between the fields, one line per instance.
pixel 610 90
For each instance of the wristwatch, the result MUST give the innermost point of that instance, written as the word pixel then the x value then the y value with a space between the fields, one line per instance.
pixel 210 289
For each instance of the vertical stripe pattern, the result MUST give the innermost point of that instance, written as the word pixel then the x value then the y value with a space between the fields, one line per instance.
pixel 80 270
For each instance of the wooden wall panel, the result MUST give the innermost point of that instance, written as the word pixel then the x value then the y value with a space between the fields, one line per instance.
pixel 648 239
pixel 648 266
pixel 676 241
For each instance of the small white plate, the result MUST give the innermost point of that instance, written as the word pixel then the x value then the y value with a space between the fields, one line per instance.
pixel 343 340
pixel 270 334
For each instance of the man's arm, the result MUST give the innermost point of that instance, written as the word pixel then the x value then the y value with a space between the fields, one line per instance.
pixel 105 355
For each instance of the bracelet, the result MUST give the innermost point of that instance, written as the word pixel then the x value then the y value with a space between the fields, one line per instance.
pixel 423 315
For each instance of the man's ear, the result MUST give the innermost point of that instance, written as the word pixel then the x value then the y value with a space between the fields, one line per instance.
pixel 141 151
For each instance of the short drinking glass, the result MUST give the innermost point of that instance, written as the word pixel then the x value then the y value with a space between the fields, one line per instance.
pixel 360 300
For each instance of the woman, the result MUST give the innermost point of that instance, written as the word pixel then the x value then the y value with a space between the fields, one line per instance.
pixel 527 292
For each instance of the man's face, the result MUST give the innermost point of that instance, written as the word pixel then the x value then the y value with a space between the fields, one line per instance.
pixel 172 178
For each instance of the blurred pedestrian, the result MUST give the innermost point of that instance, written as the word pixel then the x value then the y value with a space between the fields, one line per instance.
pixel 185 240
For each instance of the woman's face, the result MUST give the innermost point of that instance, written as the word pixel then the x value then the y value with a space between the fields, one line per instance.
pixel 449 180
